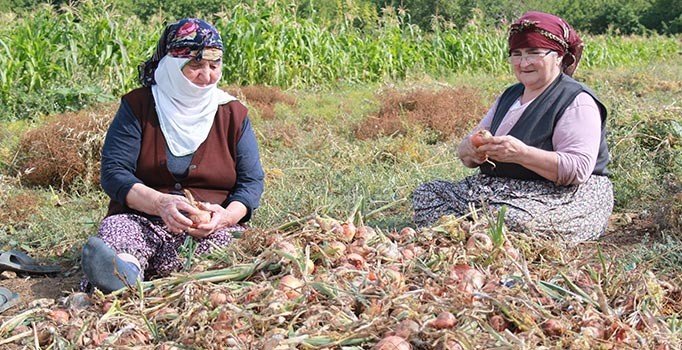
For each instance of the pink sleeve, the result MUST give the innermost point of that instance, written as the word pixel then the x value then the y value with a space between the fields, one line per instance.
pixel 487 121
pixel 576 140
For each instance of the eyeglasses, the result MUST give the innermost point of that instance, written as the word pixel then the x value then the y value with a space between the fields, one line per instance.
pixel 516 58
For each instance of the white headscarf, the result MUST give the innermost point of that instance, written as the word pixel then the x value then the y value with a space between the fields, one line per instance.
pixel 186 111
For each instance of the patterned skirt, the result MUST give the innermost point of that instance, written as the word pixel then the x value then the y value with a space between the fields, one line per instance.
pixel 574 213
pixel 157 250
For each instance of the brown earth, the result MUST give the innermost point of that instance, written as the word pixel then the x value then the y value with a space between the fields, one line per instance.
pixel 35 287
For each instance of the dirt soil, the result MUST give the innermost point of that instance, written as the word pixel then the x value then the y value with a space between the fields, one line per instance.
pixel 34 287
pixel 625 231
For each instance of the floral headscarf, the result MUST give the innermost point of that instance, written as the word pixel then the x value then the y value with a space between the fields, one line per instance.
pixel 187 38
pixel 539 29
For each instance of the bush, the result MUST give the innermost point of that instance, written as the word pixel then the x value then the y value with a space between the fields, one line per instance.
pixel 66 150
pixel 447 113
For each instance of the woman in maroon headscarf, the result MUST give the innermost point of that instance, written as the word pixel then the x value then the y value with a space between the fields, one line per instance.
pixel 547 159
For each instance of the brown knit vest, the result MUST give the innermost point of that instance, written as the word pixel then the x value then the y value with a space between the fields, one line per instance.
pixel 212 173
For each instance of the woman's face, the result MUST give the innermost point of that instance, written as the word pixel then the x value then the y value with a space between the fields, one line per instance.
pixel 203 73
pixel 535 67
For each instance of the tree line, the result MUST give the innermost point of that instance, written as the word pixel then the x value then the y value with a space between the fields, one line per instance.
pixel 591 16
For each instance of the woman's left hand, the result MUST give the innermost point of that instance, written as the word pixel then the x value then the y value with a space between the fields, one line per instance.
pixel 507 149
pixel 220 218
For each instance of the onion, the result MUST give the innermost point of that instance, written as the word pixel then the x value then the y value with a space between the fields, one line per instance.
pixel 512 252
pixel 592 332
pixel 468 279
pixel 498 323
pixel 393 277
pixel 393 342
pixel 478 243
pixel 407 253
pixel 444 320
pixel 407 233
pixel 291 286
pixel 356 260
pixel 309 267
pixel 406 328
pixel 449 344
pixel 327 224
pixel 286 247
pixel 217 299
pixel 480 138
pixel 553 327
pixel 334 249
pixel 349 231
pixel 389 250
pixel 359 247
pixel 203 216
pixel 59 316
pixel 365 232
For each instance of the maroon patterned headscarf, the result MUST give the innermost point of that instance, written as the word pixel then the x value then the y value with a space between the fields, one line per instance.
pixel 539 29
pixel 186 38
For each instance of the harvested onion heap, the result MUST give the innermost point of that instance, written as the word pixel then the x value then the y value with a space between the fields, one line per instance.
pixel 323 283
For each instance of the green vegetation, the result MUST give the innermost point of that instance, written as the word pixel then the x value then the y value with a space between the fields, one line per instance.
pixel 57 60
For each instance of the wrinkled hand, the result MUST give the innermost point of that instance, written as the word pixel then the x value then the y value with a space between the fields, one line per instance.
pixel 507 149
pixel 471 156
pixel 170 208
pixel 220 218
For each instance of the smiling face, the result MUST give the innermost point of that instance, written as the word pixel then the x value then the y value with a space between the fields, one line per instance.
pixel 535 68
pixel 203 73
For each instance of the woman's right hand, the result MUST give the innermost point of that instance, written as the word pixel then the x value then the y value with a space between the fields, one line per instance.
pixel 174 210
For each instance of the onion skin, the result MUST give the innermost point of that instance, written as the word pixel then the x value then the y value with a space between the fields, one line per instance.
pixel 201 218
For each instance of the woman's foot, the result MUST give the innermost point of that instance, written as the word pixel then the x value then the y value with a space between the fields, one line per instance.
pixel 104 269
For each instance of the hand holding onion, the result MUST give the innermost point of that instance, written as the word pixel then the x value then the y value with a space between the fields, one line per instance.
pixel 201 216
pixel 480 138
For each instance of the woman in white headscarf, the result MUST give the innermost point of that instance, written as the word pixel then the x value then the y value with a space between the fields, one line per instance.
pixel 178 134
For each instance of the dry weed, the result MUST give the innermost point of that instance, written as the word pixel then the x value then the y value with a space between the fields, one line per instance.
pixel 263 98
pixel 17 207
pixel 448 112
pixel 279 133
pixel 66 149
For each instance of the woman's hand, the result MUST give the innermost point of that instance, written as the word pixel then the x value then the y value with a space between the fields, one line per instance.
pixel 469 155
pixel 507 149
pixel 220 218
pixel 173 210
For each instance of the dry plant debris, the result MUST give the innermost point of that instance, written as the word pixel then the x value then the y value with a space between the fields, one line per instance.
pixel 449 112
pixel 320 283
pixel 66 149
pixel 263 98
